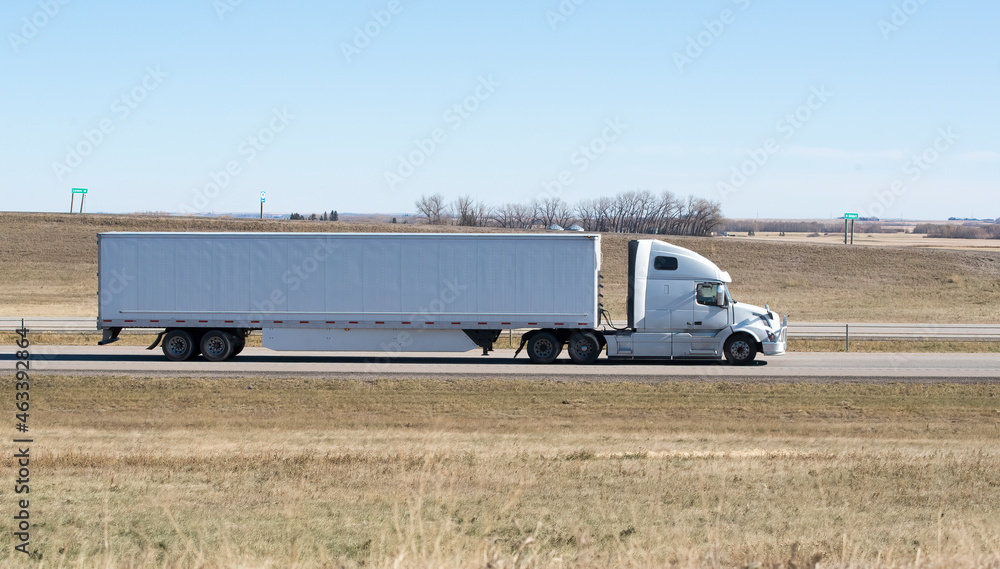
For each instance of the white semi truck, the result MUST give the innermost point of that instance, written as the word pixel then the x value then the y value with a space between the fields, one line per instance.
pixel 423 292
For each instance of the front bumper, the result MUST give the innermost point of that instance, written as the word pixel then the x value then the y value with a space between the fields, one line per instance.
pixel 777 341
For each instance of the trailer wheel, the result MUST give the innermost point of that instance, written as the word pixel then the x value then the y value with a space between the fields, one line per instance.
pixel 583 348
pixel 543 348
pixel 741 349
pixel 217 345
pixel 178 345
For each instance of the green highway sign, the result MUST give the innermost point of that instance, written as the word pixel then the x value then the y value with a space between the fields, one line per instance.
pixel 79 190
pixel 850 216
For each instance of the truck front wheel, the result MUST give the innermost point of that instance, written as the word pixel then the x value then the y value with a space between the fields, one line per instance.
pixel 583 348
pixel 179 345
pixel 543 348
pixel 741 349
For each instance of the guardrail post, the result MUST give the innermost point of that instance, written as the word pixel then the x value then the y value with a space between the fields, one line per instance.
pixel 847 336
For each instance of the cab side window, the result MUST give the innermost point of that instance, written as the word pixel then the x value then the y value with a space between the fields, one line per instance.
pixel 709 294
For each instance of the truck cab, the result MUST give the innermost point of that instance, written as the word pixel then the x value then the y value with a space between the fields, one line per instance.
pixel 679 306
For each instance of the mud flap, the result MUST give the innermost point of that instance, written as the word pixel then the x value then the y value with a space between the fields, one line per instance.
pixel 156 342
pixel 524 341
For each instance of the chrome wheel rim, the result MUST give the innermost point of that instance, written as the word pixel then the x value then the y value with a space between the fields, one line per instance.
pixel 740 349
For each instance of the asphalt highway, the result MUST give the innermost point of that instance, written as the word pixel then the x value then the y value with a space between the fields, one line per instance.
pixel 137 361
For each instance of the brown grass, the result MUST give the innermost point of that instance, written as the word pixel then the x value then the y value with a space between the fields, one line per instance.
pixel 48 264
pixel 146 472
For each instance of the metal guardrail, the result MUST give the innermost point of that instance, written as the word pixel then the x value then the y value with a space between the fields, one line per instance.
pixel 799 330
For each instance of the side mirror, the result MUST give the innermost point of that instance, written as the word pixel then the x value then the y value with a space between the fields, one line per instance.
pixel 720 299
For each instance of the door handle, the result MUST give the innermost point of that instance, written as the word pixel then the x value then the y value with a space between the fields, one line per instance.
pixel 698 323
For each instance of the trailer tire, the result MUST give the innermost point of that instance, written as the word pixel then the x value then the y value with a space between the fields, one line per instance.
pixel 543 347
pixel 217 345
pixel 179 345
pixel 740 349
pixel 584 348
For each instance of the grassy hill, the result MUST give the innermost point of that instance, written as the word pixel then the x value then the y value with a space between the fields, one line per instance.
pixel 48 266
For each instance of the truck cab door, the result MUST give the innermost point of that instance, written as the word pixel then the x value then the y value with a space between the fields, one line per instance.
pixel 711 308
pixel 708 315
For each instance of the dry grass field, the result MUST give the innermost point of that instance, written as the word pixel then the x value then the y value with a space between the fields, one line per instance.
pixel 146 472
pixel 879 240
pixel 48 265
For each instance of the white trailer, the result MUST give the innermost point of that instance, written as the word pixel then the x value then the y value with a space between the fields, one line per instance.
pixel 396 292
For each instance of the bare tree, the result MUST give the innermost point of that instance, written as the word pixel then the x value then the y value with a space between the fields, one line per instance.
pixel 626 212
pixel 464 208
pixel 564 215
pixel 525 215
pixel 506 215
pixel 483 213
pixel 549 210
pixel 433 208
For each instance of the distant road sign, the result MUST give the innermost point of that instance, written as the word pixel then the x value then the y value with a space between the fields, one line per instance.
pixel 262 197
pixel 79 190
pixel 850 216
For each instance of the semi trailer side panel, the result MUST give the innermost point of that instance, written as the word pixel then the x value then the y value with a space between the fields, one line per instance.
pixel 329 280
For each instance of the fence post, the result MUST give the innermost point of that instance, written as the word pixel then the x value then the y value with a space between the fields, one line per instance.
pixel 847 335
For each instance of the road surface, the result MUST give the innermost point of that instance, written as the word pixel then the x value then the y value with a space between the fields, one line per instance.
pixel 133 360
pixel 800 330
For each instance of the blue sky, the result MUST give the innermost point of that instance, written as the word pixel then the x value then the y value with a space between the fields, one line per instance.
pixel 774 108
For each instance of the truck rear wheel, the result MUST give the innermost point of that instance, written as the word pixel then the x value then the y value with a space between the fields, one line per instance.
pixel 217 345
pixel 543 348
pixel 741 349
pixel 179 345
pixel 583 348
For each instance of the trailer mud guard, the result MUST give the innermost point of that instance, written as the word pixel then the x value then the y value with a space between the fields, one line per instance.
pixel 156 342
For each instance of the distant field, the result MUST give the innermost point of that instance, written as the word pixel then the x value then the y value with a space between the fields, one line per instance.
pixel 48 265
pixel 878 240
pixel 311 473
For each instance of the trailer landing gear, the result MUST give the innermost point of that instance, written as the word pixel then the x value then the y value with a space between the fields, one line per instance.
pixel 483 338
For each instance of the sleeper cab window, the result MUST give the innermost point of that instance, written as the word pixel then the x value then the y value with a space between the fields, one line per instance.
pixel 665 263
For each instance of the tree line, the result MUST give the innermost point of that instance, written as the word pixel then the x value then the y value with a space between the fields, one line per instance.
pixel 334 216
pixel 627 212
